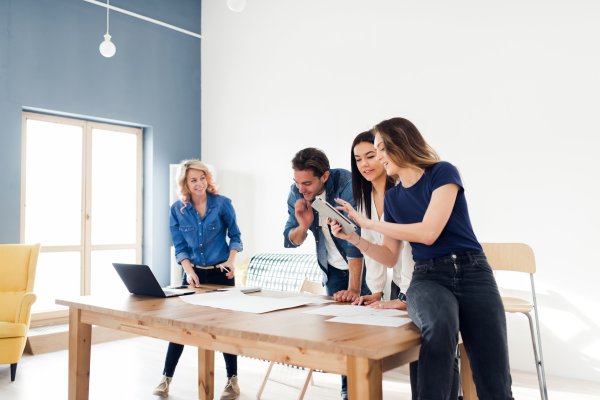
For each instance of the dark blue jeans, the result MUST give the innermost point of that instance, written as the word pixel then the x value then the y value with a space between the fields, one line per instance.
pixel 414 366
pixel 175 350
pixel 337 279
pixel 453 293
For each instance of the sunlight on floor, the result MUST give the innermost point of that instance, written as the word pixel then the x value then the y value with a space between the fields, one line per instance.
pixel 131 368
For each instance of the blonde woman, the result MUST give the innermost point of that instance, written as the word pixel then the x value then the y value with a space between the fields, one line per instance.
pixel 201 221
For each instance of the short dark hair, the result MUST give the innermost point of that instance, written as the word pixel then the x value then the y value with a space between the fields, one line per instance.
pixel 311 159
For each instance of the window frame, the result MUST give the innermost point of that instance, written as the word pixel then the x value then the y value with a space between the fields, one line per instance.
pixel 86 247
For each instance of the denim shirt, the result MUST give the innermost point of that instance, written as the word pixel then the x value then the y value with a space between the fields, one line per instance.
pixel 338 185
pixel 203 240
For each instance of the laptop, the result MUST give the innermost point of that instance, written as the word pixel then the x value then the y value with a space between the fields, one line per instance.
pixel 140 280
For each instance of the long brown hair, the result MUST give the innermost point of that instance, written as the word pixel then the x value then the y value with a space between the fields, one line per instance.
pixel 404 144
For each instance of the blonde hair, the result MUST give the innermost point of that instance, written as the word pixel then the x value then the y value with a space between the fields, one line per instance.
pixel 198 165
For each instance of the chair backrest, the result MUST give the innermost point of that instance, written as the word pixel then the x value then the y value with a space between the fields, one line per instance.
pixel 283 272
pixel 313 287
pixel 510 257
pixel 17 267
pixel 17 275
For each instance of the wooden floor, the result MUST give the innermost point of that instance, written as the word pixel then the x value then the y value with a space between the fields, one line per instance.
pixel 129 369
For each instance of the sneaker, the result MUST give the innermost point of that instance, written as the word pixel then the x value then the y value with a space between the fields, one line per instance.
pixel 232 389
pixel 162 389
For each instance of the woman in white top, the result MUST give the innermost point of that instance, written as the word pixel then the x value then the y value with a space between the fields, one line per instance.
pixel 369 183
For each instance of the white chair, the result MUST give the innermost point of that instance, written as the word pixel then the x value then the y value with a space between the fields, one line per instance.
pixel 519 257
pixel 306 287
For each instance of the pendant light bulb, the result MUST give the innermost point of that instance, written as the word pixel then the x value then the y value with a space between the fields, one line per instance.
pixel 236 5
pixel 107 47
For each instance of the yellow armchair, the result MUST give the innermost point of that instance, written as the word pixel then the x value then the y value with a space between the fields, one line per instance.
pixel 17 275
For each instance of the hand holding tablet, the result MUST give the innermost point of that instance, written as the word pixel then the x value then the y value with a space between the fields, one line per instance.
pixel 327 210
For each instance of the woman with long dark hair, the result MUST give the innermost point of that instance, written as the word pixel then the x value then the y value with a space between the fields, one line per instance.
pixel 369 183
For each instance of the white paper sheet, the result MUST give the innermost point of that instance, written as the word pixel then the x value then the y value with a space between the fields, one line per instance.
pixel 346 310
pixel 237 301
pixel 372 320
pixel 314 299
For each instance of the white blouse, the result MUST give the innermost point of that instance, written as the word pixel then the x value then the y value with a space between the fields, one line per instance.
pixel 376 272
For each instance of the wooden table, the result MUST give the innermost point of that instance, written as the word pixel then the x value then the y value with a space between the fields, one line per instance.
pixel 361 352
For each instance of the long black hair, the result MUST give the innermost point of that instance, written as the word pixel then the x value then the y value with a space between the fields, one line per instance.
pixel 362 188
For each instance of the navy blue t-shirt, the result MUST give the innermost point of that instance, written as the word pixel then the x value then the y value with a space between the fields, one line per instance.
pixel 408 206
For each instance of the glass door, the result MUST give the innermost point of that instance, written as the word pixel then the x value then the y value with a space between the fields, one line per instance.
pixel 82 200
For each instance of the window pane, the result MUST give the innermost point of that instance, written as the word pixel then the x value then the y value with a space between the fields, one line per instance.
pixel 68 160
pixel 57 275
pixel 114 172
pixel 104 277
pixel 53 184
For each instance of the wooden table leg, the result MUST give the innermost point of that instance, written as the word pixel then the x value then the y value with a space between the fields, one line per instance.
pixel 80 343
pixel 466 375
pixel 364 379
pixel 206 374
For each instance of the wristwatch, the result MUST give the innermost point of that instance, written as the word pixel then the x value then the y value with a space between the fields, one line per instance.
pixel 402 297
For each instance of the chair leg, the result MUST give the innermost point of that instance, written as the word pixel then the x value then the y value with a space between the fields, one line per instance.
pixel 460 391
pixel 538 361
pixel 264 382
pixel 539 341
pixel 13 371
pixel 542 367
pixel 305 386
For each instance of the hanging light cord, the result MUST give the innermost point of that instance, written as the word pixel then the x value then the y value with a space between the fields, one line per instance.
pixel 107 8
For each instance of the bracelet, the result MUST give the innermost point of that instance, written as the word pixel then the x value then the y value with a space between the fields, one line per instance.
pixel 294 243
pixel 358 241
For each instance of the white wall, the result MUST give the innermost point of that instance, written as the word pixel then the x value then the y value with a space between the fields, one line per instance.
pixel 509 91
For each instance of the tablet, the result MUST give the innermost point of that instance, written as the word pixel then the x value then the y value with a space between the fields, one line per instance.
pixel 329 211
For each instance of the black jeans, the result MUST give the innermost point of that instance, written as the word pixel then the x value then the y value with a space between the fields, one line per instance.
pixel 394 291
pixel 175 350
pixel 452 293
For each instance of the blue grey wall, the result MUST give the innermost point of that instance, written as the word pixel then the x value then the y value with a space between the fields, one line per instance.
pixel 49 60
